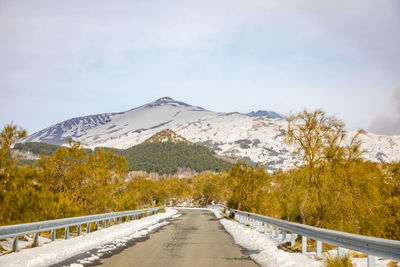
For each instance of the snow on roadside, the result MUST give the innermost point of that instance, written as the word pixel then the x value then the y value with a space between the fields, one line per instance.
pixel 63 249
pixel 269 255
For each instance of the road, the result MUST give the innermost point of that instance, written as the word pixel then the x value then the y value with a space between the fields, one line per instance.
pixel 194 239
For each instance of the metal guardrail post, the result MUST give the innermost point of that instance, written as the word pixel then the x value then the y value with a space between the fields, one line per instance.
pixel 276 232
pixel 340 252
pixel 79 229
pixel 36 239
pixel 292 239
pixel 319 249
pixel 303 244
pixel 15 244
pixel 283 234
pixel 371 261
pixel 53 235
pixel 271 230
pixel 88 228
pixel 66 233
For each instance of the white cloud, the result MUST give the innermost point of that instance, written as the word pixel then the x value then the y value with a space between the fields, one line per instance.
pixel 288 53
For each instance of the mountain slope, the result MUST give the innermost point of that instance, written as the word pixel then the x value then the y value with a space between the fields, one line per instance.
pixel 235 135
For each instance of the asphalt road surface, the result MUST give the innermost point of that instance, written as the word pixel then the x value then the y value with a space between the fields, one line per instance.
pixel 194 239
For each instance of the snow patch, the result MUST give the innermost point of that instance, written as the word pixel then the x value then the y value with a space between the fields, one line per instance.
pixel 265 251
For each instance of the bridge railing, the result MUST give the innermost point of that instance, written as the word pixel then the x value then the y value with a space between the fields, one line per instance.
pixel 275 228
pixel 106 219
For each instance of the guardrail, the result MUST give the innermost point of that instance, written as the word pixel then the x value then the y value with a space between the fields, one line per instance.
pixel 275 227
pixel 106 219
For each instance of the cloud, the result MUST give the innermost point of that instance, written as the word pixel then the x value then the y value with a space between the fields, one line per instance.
pixel 389 125
pixel 94 56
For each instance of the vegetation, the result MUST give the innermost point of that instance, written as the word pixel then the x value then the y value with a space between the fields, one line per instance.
pixel 67 183
pixel 36 148
pixel 166 135
pixel 166 157
pixel 334 189
pixel 159 157
pixel 339 262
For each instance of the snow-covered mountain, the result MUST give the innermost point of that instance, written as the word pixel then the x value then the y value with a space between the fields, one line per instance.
pixel 254 136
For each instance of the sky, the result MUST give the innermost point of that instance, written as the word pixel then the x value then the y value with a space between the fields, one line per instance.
pixel 65 59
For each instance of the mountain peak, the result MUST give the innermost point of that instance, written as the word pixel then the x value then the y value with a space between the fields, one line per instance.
pixel 166 100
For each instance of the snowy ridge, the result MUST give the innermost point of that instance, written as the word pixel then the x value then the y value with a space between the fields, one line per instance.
pixel 235 135
pixel 267 113
pixel 76 127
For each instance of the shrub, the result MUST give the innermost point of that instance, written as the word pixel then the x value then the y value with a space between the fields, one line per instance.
pixel 339 262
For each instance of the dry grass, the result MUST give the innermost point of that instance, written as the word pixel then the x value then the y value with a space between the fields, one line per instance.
pixel 288 248
pixel 327 247
pixel 297 246
pixel 30 245
pixel 339 262
pixel 4 251
pixel 46 234
pixel 393 264
pixel 311 246
pixel 355 254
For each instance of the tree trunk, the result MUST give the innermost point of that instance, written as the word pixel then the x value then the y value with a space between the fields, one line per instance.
pixel 301 208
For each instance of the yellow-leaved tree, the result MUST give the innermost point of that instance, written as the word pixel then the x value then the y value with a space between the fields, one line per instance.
pixel 22 196
pixel 90 180
pixel 250 188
